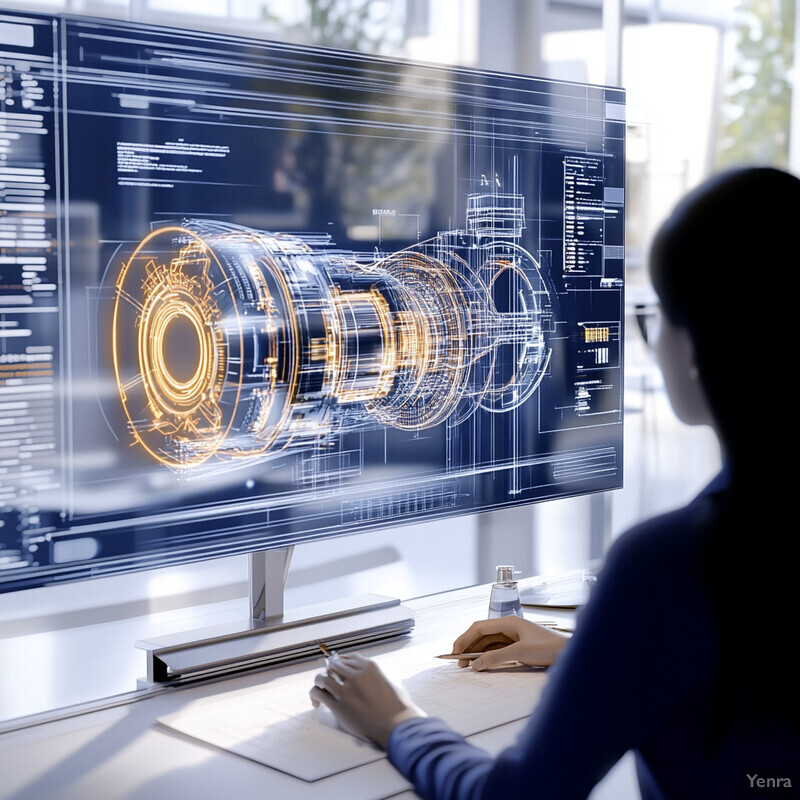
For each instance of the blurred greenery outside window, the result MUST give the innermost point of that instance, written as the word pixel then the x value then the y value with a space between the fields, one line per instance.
pixel 756 105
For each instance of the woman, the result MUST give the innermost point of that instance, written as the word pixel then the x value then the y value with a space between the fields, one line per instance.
pixel 682 655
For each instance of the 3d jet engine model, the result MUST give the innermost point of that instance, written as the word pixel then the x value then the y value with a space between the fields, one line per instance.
pixel 230 342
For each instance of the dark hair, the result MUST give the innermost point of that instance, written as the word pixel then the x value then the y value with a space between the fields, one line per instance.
pixel 724 267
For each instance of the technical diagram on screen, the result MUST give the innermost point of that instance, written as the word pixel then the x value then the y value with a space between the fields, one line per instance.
pixel 228 342
pixel 255 294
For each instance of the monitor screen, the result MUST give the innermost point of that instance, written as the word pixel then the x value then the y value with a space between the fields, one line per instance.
pixel 255 294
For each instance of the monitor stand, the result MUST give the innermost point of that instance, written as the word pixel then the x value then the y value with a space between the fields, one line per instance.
pixel 272 635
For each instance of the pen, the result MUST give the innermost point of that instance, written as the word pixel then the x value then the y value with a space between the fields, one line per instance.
pixel 459 656
pixel 329 654
pixel 473 656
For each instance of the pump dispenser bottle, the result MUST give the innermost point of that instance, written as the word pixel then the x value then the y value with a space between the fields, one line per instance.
pixel 504 598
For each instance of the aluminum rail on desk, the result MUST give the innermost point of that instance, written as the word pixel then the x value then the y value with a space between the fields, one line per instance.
pixel 222 649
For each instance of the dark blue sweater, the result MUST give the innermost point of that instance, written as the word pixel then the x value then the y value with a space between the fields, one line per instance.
pixel 638 674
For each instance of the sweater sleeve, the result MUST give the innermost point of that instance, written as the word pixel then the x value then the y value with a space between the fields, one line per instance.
pixel 437 760
pixel 622 674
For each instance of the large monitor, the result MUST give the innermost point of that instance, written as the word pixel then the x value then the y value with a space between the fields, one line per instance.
pixel 256 294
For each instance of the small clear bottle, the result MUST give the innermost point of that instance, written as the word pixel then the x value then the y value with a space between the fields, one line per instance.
pixel 504 598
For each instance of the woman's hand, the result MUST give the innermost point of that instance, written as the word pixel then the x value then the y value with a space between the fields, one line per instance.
pixel 509 639
pixel 361 698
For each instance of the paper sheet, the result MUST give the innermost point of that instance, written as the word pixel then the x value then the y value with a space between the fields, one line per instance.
pixel 274 724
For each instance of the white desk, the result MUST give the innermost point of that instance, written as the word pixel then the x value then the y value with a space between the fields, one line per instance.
pixel 121 752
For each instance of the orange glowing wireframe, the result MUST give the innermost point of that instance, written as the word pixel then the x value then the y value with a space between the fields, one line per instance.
pixel 234 343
